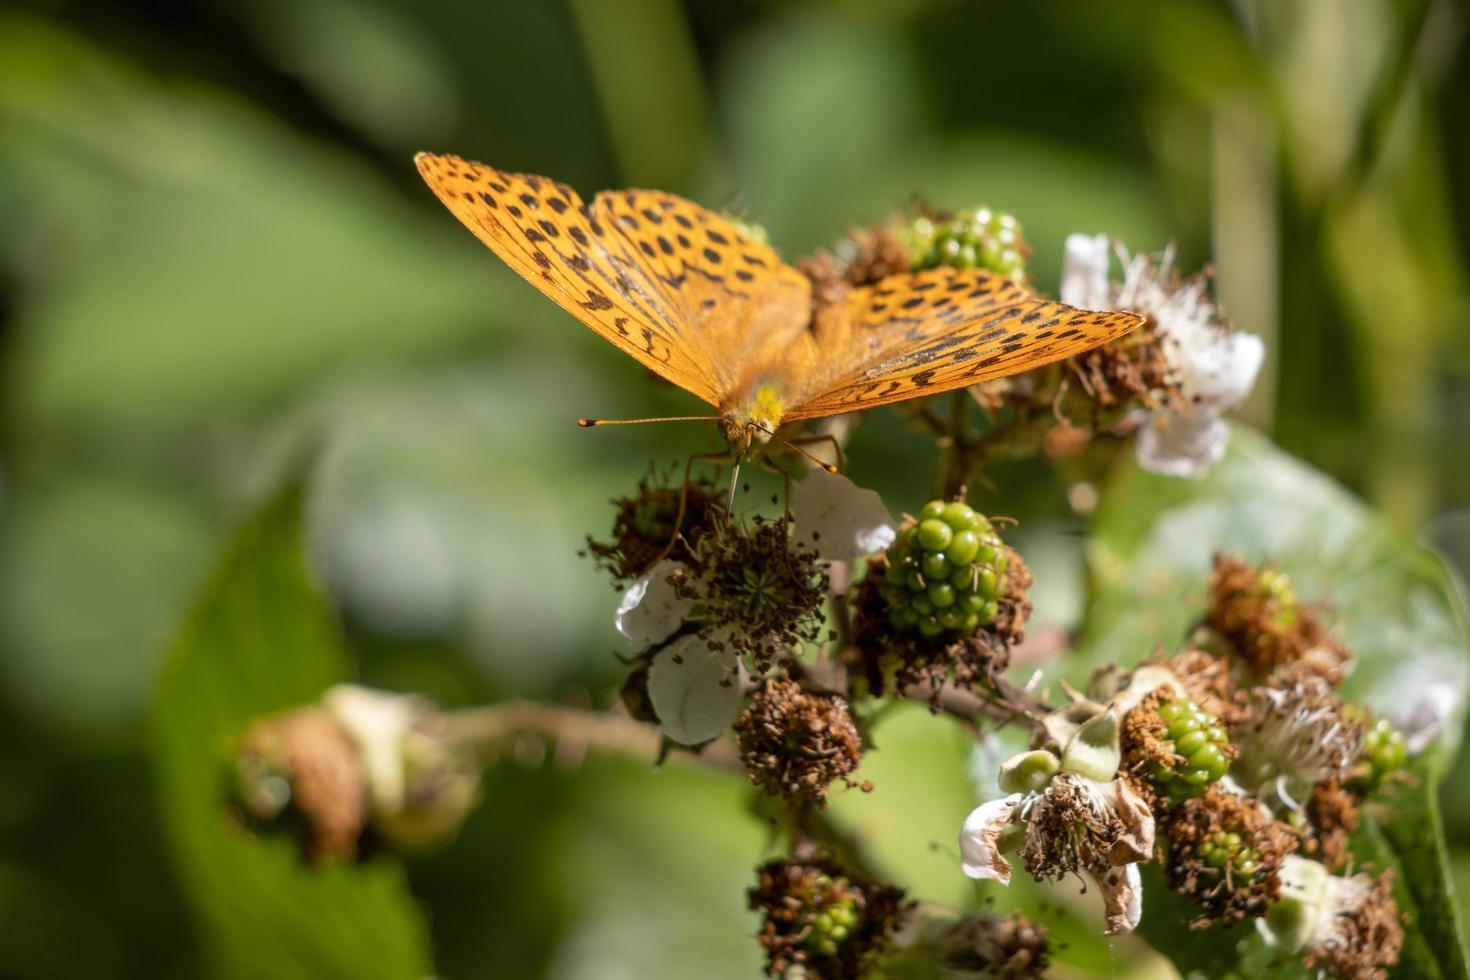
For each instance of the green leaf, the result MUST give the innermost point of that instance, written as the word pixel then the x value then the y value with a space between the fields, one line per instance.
pixel 1394 603
pixel 258 640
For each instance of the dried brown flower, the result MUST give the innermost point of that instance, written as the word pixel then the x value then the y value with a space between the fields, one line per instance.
pixel 645 523
pixel 1207 678
pixel 984 946
pixel 1225 853
pixel 819 922
pixel 1359 934
pixel 795 743
pixel 1127 371
pixel 1332 817
pixel 326 798
pixel 1293 737
pixel 1256 610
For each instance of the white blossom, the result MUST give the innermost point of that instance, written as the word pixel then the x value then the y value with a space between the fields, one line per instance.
pixel 378 722
pixel 1214 366
pixel 847 520
pixel 695 690
pixel 650 611
pixel 980 835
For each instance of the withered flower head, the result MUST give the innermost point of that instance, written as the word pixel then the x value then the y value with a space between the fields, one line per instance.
pixel 645 523
pixel 1207 680
pixel 1292 738
pixel 984 946
pixel 795 743
pixel 1225 853
pixel 865 256
pixel 755 591
pixel 1257 611
pixel 1345 927
pixel 301 768
pixel 820 923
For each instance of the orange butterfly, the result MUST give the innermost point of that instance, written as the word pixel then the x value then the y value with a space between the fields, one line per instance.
pixel 694 299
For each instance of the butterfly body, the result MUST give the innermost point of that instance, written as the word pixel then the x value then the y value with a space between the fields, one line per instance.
pixel 693 298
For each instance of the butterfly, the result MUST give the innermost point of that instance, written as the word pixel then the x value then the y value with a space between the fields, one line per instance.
pixel 695 299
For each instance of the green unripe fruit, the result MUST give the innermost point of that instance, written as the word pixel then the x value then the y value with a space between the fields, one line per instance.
pixel 1198 742
pixel 936 571
pixel 935 565
pixel 934 534
pixel 1382 754
pixel 977 238
pixel 963 548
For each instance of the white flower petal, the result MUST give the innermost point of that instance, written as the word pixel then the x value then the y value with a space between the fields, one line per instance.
pixel 980 855
pixel 1085 272
pixel 1172 444
pixel 695 691
pixel 1221 369
pixel 1423 720
pixel 650 612
pixel 1122 892
pixel 377 722
pixel 848 520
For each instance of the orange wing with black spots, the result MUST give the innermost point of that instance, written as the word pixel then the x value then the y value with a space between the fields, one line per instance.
pixel 677 287
pixel 922 333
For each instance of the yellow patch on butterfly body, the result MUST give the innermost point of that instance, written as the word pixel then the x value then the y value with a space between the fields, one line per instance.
pixel 696 300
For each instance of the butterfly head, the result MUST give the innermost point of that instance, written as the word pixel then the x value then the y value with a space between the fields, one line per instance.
pixel 754 419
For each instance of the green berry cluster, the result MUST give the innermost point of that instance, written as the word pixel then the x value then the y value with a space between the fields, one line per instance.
pixel 1199 739
pixel 755 232
pixel 946 572
pixel 979 238
pixel 832 923
pixel 1280 591
pixel 1227 849
pixel 1383 753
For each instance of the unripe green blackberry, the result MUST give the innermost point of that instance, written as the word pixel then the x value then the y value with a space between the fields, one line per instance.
pixel 833 923
pixel 979 238
pixel 946 572
pixel 1196 737
pixel 1225 849
pixel 1383 753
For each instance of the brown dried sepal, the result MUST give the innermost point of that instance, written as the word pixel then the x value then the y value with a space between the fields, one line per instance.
pixel 1283 640
pixel 328 806
pixel 1332 818
pixel 795 743
pixel 790 895
pixel 1221 895
pixel 645 523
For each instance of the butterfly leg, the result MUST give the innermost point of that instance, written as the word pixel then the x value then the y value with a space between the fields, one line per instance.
pixel 824 437
pixel 723 457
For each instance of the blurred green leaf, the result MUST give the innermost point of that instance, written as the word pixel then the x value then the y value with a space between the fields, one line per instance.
pixel 260 640
pixel 1392 600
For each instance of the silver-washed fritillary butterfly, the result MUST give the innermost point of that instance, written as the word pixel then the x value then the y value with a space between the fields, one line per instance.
pixel 693 298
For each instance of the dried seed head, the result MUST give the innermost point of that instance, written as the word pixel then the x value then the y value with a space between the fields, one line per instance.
pixel 1225 853
pixel 795 743
pixel 302 769
pixel 1359 933
pixel 983 946
pixel 645 523
pixel 1257 611
pixel 1207 678
pixel 819 923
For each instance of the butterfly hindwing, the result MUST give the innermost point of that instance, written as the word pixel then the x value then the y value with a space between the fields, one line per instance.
pixel 571 252
pixel 922 333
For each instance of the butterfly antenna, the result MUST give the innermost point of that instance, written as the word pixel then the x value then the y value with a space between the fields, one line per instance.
pixel 797 449
pixel 590 423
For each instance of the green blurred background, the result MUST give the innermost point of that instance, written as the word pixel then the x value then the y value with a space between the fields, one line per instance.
pixel 216 259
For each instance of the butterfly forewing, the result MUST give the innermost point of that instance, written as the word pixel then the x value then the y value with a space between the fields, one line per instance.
pixel 921 333
pixel 678 288
pixel 545 232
